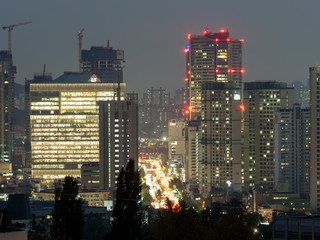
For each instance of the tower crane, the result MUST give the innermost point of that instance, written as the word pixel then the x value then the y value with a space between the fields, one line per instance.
pixel 80 35
pixel 10 28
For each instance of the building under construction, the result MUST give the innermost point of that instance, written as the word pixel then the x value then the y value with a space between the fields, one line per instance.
pixel 105 62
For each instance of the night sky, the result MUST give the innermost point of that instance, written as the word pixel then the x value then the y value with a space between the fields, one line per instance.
pixel 282 37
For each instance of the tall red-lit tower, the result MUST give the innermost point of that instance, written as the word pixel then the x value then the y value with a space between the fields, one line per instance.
pixel 211 57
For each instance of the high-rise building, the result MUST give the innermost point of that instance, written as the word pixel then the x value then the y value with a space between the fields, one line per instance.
pixel 63 123
pixel 315 138
pixel 192 160
pixel 292 150
pixel 301 94
pixel 176 138
pixel 118 121
pixel 261 101
pixel 7 71
pixel 211 57
pixel 37 78
pixel 221 136
pixel 155 112
pixel 105 62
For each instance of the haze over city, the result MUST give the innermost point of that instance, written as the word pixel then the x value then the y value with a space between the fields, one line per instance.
pixel 159 120
pixel 281 37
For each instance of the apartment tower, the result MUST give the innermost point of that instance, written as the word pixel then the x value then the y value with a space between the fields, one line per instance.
pixel 211 57
pixel 261 101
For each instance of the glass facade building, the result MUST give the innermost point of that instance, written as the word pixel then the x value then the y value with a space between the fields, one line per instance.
pixel 63 124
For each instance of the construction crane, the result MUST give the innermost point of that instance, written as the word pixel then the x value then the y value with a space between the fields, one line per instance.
pixel 10 28
pixel 80 35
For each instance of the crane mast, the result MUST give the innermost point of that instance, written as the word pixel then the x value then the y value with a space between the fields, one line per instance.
pixel 10 28
pixel 80 36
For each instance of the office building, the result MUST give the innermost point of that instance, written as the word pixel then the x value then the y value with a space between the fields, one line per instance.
pixel 63 123
pixel 315 138
pixel 37 78
pixel 292 139
pixel 221 136
pixel 118 121
pixel 261 101
pixel 7 71
pixel 105 62
pixel 211 57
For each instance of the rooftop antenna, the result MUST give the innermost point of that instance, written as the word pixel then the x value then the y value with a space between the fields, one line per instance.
pixel 44 70
pixel 108 44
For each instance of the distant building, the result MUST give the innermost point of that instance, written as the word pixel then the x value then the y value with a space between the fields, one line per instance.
pixel 292 138
pixel 176 138
pixel 118 126
pixel 180 97
pixel 7 71
pixel 261 100
pixel 155 112
pixel 90 176
pixel 301 94
pixel 221 113
pixel 105 62
pixel 63 123
pixel 211 57
pixel 193 164
pixel 315 136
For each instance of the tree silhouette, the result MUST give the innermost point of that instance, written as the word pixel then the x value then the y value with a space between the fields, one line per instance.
pixel 68 218
pixel 127 214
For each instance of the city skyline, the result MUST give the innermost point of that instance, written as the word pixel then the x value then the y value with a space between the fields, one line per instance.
pixel 282 52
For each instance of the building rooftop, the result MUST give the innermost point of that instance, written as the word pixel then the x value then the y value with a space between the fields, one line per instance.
pixel 77 77
pixel 265 85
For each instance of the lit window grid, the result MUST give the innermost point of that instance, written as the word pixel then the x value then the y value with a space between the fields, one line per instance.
pixel 65 138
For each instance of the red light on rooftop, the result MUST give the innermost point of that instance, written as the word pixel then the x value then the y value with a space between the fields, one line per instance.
pixel 228 39
pixel 186 79
pixel 217 70
pixel 217 40
pixel 189 72
pixel 206 31
pixel 189 36
pixel 242 70
pixel 222 30
pixel 242 108
pixel 241 40
pixel 186 50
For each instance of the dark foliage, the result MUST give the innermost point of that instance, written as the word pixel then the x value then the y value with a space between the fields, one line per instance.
pixel 127 214
pixel 6 220
pixel 68 218
pixel 230 221
pixel 96 226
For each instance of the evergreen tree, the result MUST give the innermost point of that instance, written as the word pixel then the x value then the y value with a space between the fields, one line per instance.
pixel 127 214
pixel 68 218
